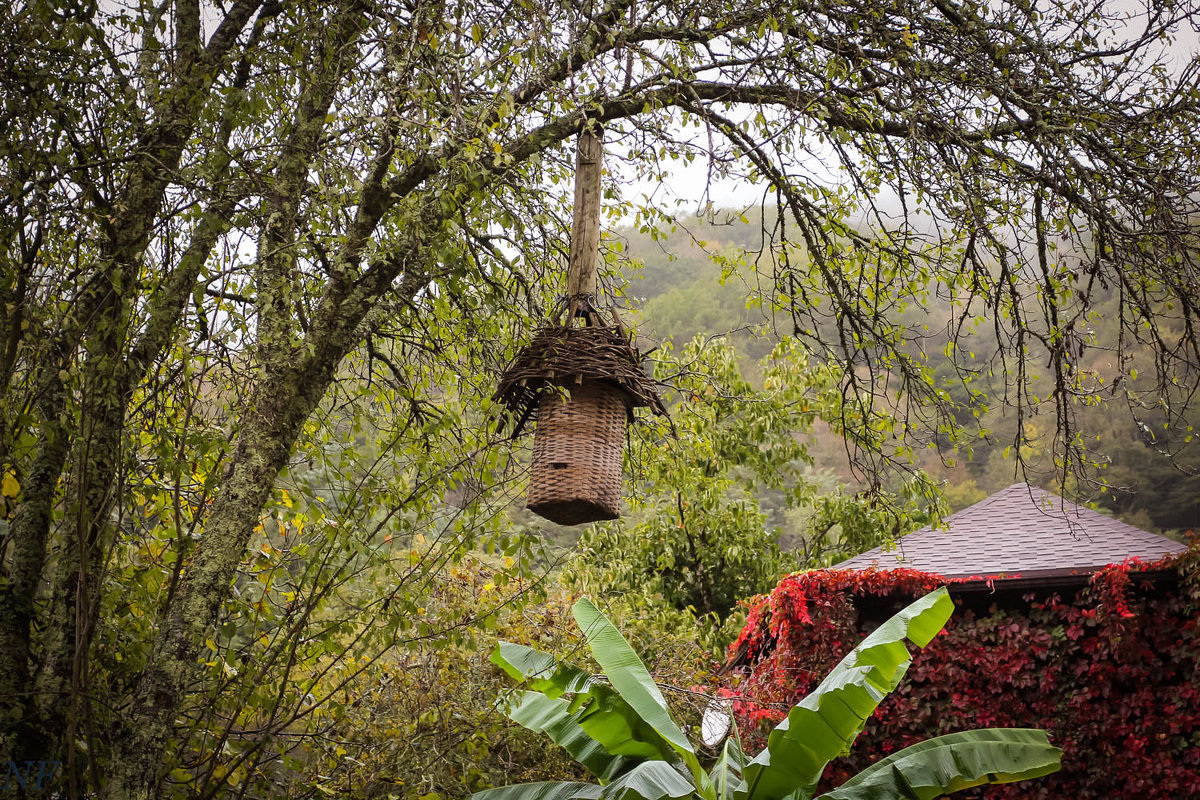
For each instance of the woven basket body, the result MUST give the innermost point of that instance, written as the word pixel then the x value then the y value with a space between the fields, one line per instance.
pixel 577 451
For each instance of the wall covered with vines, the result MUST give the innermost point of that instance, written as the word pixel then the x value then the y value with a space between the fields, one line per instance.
pixel 1111 670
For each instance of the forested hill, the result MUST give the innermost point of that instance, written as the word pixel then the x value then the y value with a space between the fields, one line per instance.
pixel 698 277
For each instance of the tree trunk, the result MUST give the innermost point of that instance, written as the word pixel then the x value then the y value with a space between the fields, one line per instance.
pixel 287 392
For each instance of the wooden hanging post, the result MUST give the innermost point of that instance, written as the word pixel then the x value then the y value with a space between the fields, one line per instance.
pixel 585 227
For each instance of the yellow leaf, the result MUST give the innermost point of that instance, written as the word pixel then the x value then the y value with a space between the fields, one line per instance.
pixel 9 487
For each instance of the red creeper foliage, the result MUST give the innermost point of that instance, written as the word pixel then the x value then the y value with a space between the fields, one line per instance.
pixel 1113 672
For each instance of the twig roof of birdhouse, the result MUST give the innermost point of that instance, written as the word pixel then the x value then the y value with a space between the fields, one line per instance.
pixel 566 356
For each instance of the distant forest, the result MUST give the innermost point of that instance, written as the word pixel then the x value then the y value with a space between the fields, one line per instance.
pixel 700 279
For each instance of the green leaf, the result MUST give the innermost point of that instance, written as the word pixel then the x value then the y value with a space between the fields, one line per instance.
pixel 628 674
pixel 726 773
pixel 632 680
pixel 649 780
pixel 602 713
pixel 541 671
pixel 953 762
pixel 542 790
pixel 555 718
pixel 828 720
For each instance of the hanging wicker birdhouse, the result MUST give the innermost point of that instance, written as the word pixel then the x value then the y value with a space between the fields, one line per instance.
pixel 579 379
pixel 580 385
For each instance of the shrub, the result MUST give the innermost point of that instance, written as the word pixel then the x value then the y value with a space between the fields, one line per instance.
pixel 620 727
pixel 1112 672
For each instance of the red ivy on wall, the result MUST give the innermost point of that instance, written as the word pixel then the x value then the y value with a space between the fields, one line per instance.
pixel 1113 673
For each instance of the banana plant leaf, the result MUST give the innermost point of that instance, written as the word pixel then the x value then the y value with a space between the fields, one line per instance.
pixel 595 706
pixel 553 716
pixel 628 674
pixel 828 720
pixel 634 683
pixel 649 780
pixel 542 790
pixel 542 672
pixel 950 763
pixel 726 773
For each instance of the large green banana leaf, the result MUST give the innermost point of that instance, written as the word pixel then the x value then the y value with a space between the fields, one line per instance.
pixel 595 706
pixel 828 720
pixel 542 672
pixel 628 674
pixel 649 780
pixel 553 716
pixel 542 790
pixel 956 761
pixel 633 682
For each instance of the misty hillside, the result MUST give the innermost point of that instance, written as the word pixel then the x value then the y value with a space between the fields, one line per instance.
pixel 708 277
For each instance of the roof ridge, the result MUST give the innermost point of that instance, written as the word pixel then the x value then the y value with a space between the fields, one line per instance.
pixel 1021 528
pixel 987 501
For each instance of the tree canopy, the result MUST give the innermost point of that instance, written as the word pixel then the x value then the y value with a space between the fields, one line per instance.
pixel 256 239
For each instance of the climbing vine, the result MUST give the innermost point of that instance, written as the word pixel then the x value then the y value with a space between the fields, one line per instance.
pixel 1112 671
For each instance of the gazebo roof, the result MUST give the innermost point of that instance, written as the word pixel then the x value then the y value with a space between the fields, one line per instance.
pixel 1021 531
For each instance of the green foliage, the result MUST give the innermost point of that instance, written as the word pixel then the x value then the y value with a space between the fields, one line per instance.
pixel 698 539
pixel 947 764
pixel 261 262
pixel 1142 463
pixel 419 721
pixel 817 729
pixel 358 602
pixel 828 720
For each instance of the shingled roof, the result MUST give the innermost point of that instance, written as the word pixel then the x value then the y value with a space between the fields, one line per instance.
pixel 1019 531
